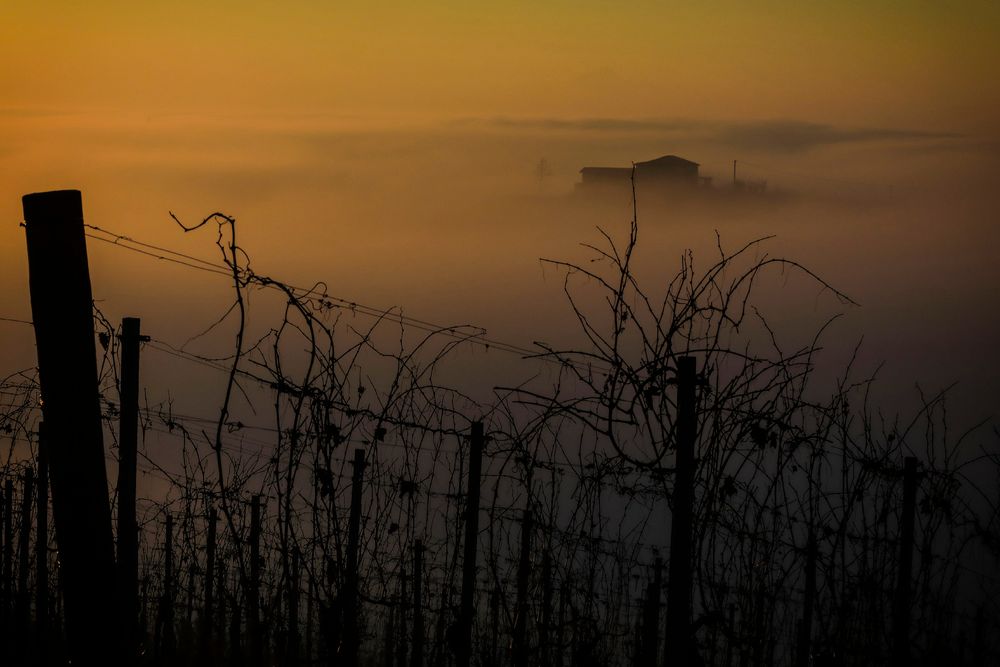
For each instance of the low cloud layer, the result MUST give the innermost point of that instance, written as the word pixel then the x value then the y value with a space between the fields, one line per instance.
pixel 782 136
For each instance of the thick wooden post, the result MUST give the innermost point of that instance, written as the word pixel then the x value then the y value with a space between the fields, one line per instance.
pixel 468 607
pixel 42 547
pixel 351 610
pixel 417 648
pixel 903 601
pixel 680 643
pixel 62 311
pixel 128 534
pixel 523 577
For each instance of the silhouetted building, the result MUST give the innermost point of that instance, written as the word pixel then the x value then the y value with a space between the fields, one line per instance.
pixel 666 171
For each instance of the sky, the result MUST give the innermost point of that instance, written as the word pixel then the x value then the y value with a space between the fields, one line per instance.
pixel 391 149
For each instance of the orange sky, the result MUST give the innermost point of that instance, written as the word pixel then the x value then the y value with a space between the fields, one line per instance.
pixel 920 65
pixel 369 144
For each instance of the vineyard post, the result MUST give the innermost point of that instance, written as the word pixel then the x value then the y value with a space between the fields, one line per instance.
pixel 545 651
pixel 8 553
pixel 679 640
pixel 651 617
pixel 901 608
pixel 128 534
pixel 468 610
pixel 805 628
pixel 292 654
pixel 62 312
pixel 400 647
pixel 42 546
pixel 523 575
pixel 23 607
pixel 494 626
pixel 205 620
pixel 167 636
pixel 253 595
pixel 417 649
pixel 351 607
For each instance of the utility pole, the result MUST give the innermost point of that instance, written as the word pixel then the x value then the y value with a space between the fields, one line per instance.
pixel 128 533
pixel 468 608
pixel 904 595
pixel 62 312
pixel 351 607
pixel 680 644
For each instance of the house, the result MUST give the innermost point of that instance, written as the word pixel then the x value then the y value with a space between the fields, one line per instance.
pixel 667 171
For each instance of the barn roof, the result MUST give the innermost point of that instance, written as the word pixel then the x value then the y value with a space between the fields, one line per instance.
pixel 667 159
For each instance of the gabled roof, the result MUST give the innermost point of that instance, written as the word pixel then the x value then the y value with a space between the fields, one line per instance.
pixel 667 160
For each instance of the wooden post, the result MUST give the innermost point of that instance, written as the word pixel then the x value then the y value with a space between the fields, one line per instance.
pixel 417 649
pixel 731 635
pixel 310 612
pixel 468 609
pixel 253 595
pixel 350 609
pixel 404 602
pixel 544 649
pixel 804 648
pixel 565 590
pixel 389 638
pixel 167 635
pixel 903 601
pixel 8 554
pixel 292 652
pixel 235 631
pixel 42 547
pixel 128 532
pixel 494 627
pixel 62 312
pixel 208 605
pixel 523 576
pixel 651 618
pixel 680 643
pixel 4 630
pixel 23 609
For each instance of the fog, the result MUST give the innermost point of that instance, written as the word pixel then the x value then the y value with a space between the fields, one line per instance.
pixel 448 220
